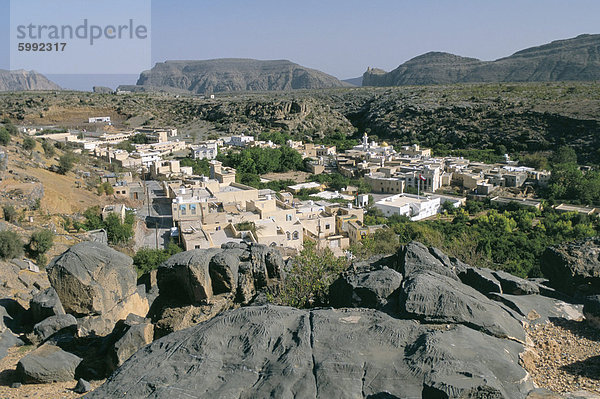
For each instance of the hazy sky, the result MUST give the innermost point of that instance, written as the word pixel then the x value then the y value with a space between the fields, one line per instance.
pixel 344 37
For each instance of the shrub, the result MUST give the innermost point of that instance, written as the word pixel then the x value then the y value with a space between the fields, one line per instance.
pixel 147 259
pixel 312 272
pixel 4 136
pixel 66 162
pixel 10 213
pixel 28 143
pixel 40 242
pixel 11 245
pixel 48 148
pixel 105 188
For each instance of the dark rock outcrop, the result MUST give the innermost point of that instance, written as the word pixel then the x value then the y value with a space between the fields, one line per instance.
pixel 574 267
pixel 133 333
pixel 515 285
pixel 431 297
pixel 539 309
pixel 7 341
pixel 415 257
pixel 575 59
pixel 52 325
pixel 414 324
pixel 185 277
pixel 46 364
pixel 91 278
pixel 370 289
pixel 82 386
pixel 233 74
pixel 25 80
pixel 483 280
pixel 98 285
pixel 310 358
pixel 45 304
pixel 297 353
pixel 196 285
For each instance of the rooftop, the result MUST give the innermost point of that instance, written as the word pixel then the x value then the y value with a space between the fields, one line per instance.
pixel 402 199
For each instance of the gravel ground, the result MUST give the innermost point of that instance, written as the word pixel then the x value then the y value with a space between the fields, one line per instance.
pixel 565 356
pixel 59 390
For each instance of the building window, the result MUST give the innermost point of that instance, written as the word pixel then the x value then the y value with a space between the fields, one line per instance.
pixel 288 218
pixel 327 227
pixel 296 235
pixel 182 209
pixel 193 209
pixel 288 235
pixel 217 228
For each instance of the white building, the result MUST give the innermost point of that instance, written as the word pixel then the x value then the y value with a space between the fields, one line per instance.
pixel 99 119
pixel 205 151
pixel 412 206
pixel 148 157
pixel 240 141
pixel 374 148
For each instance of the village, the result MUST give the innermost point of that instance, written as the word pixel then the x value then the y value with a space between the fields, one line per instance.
pixel 208 211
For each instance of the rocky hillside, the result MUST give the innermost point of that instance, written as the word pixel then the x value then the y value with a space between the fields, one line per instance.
pixel 25 80
pixel 520 116
pixel 232 74
pixel 576 59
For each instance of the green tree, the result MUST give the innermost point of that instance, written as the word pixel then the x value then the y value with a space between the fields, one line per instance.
pixel 126 145
pixel 40 242
pixel 147 259
pixel 564 155
pixel 28 143
pixel 118 232
pixel 312 272
pixel 66 162
pixel 11 245
pixel 49 149
pixel 199 166
pixel 4 136
pixel 105 188
pixel 8 125
pixel 93 219
pixel 10 213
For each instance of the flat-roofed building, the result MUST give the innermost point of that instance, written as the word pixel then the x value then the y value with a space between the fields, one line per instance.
pixel 358 232
pixel 296 188
pixel 222 174
pixel 205 151
pixel 379 183
pixel 412 206
pixel 584 210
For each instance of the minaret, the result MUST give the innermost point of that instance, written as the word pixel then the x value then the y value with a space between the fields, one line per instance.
pixel 365 142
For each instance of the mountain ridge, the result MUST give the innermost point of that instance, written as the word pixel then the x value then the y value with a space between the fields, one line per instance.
pixel 574 59
pixel 22 80
pixel 233 74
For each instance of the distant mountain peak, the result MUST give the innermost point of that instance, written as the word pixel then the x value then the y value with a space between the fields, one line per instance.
pixel 22 80
pixel 574 59
pixel 233 74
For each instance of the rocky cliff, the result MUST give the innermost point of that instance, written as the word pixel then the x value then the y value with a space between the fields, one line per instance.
pixel 233 74
pixel 25 80
pixel 417 324
pixel 576 59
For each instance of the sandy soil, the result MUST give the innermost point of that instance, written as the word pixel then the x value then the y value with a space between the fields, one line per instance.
pixel 57 390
